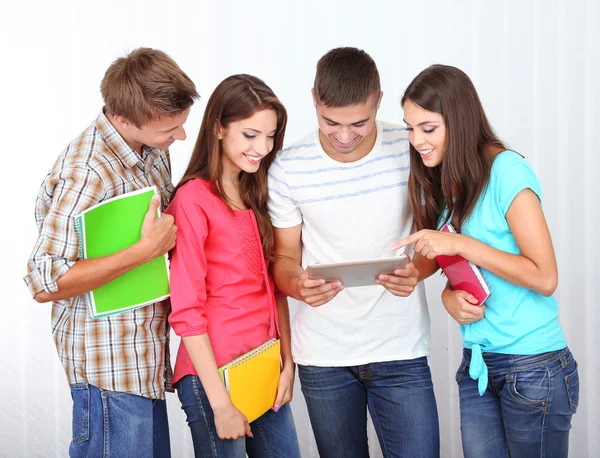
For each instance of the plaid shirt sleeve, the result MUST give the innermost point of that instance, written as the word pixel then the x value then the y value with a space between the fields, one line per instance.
pixel 65 193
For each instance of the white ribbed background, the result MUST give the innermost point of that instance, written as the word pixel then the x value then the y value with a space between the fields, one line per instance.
pixel 535 64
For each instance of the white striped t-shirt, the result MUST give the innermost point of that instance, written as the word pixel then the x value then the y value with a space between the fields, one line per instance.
pixel 350 211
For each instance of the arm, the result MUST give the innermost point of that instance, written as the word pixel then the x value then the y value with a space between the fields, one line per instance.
pixel 158 237
pixel 288 274
pixel 285 390
pixel 535 268
pixel 426 267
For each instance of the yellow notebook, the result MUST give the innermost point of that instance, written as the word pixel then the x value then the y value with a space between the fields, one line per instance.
pixel 252 379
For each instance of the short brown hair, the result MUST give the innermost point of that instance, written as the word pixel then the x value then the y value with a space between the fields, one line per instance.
pixel 346 76
pixel 146 84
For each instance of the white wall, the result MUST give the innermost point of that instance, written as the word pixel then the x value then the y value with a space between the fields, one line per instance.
pixel 535 64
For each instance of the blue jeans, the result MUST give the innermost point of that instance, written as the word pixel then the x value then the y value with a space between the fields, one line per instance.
pixel 526 409
pixel 274 432
pixel 400 399
pixel 112 424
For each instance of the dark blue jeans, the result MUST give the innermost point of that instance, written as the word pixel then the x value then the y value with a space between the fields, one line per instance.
pixel 274 432
pixel 400 399
pixel 112 424
pixel 526 410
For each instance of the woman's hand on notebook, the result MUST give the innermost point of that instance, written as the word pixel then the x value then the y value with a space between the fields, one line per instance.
pixel 231 423
pixel 462 306
pixel 285 389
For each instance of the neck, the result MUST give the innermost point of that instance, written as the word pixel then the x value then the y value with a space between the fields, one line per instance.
pixel 135 145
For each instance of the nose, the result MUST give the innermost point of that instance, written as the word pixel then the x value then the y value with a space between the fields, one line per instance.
pixel 179 134
pixel 416 138
pixel 345 134
pixel 262 147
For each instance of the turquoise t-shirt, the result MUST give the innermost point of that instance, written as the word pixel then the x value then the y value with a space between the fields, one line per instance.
pixel 517 320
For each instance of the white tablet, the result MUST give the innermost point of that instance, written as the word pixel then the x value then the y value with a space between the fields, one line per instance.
pixel 357 273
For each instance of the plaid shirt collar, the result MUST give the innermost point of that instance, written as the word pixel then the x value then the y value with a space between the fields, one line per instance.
pixel 119 146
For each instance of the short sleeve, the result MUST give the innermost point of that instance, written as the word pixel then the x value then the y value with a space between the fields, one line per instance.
pixel 283 210
pixel 514 177
pixel 188 265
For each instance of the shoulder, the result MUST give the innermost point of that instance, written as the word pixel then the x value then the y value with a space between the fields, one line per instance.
pixel 194 190
pixel 510 165
pixel 392 134
pixel 304 148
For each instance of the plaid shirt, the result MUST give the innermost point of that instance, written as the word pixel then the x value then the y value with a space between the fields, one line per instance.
pixel 127 352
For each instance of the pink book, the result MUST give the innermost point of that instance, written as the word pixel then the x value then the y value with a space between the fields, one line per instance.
pixel 462 274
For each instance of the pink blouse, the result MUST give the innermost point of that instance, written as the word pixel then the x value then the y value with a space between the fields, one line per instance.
pixel 220 283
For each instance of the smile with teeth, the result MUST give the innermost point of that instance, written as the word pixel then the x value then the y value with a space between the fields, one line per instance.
pixel 344 143
pixel 426 152
pixel 253 159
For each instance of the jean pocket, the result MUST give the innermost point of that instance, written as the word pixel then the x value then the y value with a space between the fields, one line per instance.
pixel 572 382
pixel 80 393
pixel 530 388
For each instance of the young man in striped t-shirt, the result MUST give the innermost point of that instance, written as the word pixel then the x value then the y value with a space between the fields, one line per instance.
pixel 340 194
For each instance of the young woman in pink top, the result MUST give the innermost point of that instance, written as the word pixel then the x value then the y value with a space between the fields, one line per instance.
pixel 222 296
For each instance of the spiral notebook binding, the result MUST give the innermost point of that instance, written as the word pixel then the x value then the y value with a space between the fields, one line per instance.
pixel 257 351
pixel 80 235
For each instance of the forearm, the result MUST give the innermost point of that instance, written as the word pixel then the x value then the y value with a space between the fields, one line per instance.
pixel 89 274
pixel 283 313
pixel 200 351
pixel 516 269
pixel 286 271
pixel 426 267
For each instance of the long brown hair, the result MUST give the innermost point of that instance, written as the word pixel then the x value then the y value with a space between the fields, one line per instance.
pixel 455 184
pixel 237 97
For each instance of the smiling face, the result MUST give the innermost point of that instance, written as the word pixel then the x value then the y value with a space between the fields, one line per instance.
pixel 426 133
pixel 348 133
pixel 246 142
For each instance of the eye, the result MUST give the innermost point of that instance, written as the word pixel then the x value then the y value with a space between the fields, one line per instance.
pixel 331 124
pixel 272 137
pixel 249 136
pixel 359 125
pixel 428 131
pixel 409 128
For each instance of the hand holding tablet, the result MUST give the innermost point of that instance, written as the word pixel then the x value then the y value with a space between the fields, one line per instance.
pixel 357 273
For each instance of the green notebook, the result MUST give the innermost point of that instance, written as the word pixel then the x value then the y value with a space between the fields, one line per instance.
pixel 112 226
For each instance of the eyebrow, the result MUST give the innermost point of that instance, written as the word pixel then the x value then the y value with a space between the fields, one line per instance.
pixel 352 123
pixel 257 131
pixel 421 123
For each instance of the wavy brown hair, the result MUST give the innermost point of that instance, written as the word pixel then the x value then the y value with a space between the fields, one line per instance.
pixel 458 181
pixel 235 98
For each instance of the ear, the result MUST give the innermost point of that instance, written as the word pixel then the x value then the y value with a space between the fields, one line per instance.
pixel 379 99
pixel 122 121
pixel 220 130
pixel 312 92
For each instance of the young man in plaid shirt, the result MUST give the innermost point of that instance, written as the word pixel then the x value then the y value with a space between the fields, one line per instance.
pixel 117 367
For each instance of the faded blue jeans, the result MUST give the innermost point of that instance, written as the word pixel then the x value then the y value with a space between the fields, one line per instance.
pixel 112 424
pixel 526 410
pixel 274 432
pixel 400 399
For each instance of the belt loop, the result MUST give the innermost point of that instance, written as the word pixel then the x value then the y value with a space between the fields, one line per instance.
pixel 563 362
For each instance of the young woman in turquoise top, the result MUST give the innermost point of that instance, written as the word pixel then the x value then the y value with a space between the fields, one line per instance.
pixel 518 381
